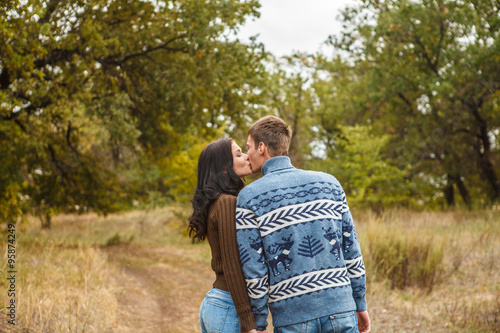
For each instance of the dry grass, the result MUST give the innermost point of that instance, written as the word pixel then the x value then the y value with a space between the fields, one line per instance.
pixel 61 289
pixel 154 278
pixel 465 293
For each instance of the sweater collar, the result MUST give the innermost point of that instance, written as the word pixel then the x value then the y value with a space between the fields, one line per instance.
pixel 276 163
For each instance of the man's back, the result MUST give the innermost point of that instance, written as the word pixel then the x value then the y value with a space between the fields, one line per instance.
pixel 298 246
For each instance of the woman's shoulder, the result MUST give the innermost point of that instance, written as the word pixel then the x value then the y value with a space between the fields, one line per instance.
pixel 222 201
pixel 227 198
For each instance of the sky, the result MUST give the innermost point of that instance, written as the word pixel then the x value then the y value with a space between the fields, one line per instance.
pixel 286 26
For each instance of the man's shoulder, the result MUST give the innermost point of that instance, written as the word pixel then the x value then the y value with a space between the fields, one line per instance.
pixel 297 177
pixel 250 190
pixel 319 176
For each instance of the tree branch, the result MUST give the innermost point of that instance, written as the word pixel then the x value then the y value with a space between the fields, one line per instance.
pixel 441 38
pixel 21 126
pixel 51 7
pixel 407 101
pixel 163 46
pixel 12 116
pixel 424 50
pixel 4 79
pixel 59 165
pixel 55 56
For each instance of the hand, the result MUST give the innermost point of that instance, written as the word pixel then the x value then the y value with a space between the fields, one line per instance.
pixel 363 322
pixel 264 331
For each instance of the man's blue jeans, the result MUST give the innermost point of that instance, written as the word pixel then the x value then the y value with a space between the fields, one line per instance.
pixel 218 313
pixel 346 322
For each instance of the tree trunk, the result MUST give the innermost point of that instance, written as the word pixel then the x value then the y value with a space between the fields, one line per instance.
pixel 46 221
pixel 483 149
pixel 462 189
pixel 449 194
pixel 489 172
pixel 464 192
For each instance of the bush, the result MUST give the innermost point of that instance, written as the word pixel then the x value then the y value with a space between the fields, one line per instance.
pixel 405 257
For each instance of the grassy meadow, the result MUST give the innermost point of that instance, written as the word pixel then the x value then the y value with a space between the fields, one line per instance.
pixel 139 272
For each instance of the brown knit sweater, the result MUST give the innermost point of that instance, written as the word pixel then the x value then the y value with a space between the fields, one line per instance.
pixel 226 264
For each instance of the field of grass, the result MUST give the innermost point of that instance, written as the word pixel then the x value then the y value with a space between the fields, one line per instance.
pixel 138 272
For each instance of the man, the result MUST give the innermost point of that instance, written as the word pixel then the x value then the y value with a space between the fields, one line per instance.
pixel 298 245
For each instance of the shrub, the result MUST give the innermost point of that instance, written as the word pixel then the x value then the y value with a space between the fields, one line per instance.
pixel 405 257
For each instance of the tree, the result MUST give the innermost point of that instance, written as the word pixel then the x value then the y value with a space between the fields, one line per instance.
pixel 90 90
pixel 429 73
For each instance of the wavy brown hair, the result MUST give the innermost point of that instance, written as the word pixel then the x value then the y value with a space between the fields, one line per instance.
pixel 215 177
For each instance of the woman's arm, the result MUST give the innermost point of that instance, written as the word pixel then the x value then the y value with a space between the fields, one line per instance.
pixel 231 262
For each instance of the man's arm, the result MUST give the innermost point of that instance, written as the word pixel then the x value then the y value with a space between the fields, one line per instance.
pixel 253 262
pixel 353 258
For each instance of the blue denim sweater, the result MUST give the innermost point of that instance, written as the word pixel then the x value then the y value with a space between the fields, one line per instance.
pixel 298 246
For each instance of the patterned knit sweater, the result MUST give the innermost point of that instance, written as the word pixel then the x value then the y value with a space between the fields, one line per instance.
pixel 221 236
pixel 298 246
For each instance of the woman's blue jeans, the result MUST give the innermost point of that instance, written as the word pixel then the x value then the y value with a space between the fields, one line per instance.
pixel 346 322
pixel 218 313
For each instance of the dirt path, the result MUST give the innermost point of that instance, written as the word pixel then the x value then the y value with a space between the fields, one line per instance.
pixel 161 288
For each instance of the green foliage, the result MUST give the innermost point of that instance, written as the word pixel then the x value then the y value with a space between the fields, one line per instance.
pixel 106 104
pixel 425 72
pixel 369 180
pixel 91 92
pixel 179 170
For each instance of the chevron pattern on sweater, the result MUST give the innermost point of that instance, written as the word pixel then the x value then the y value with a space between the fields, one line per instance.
pixel 245 219
pixel 308 283
pixel 355 267
pixel 257 288
pixel 300 213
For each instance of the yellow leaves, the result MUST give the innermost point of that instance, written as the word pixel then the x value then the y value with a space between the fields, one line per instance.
pixel 395 27
pixel 10 199
pixel 180 167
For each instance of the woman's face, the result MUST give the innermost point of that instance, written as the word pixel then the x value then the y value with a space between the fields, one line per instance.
pixel 241 165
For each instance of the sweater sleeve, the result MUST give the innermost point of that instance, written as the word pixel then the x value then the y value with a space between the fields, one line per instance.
pixel 353 258
pixel 231 262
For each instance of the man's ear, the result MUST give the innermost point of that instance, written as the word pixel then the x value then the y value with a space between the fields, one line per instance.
pixel 262 148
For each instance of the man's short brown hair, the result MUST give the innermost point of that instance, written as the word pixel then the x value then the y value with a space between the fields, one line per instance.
pixel 274 133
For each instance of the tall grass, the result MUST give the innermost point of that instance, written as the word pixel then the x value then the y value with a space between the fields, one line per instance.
pixel 64 281
pixel 432 272
pixel 402 255
pixel 427 272
pixel 61 288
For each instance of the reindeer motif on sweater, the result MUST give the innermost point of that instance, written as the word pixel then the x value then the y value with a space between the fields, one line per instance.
pixel 280 252
pixel 333 238
pixel 257 246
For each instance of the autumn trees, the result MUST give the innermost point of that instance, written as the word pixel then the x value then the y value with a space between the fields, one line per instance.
pixel 106 103
pixel 93 93
pixel 426 73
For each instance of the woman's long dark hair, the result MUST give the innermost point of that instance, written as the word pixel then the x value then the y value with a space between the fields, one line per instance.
pixel 215 176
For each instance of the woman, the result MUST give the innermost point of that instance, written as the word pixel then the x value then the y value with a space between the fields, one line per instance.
pixel 221 166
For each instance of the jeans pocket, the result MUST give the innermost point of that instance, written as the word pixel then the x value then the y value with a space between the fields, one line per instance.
pixel 294 328
pixel 213 316
pixel 345 322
